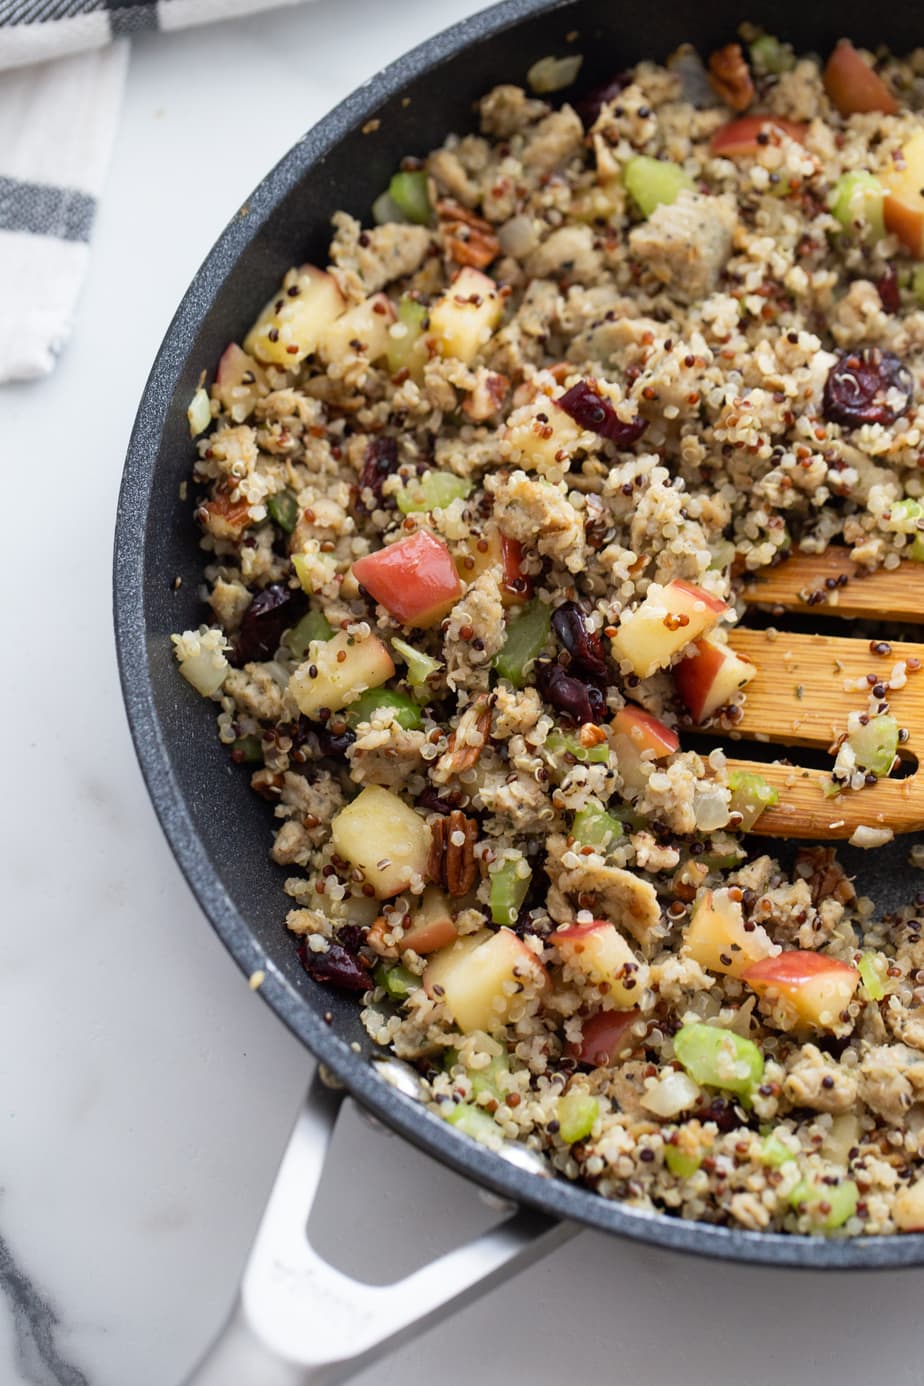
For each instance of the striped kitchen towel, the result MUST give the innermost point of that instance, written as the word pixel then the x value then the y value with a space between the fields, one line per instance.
pixel 60 94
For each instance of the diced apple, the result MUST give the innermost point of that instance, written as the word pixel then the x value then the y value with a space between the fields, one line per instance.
pixel 415 579
pixel 384 837
pixel 239 382
pixel 816 989
pixel 482 978
pixel 606 1037
pixel 636 731
pixel 490 549
pixel 710 677
pixel 600 952
pixel 853 86
pixel 225 518
pixel 903 180
pixel 668 619
pixel 335 672
pixel 740 137
pixel 431 925
pixel 716 936
pixel 908 1207
pixel 366 325
pixel 463 320
pixel 541 436
pixel 291 324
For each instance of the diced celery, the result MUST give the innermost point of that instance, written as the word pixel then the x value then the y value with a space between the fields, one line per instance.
pixel 774 1152
pixel 719 1058
pixel 559 743
pixel 199 413
pixel 870 970
pixel 916 552
pixel 474 1121
pixel 723 553
pixel 396 981
pixel 680 1163
pixel 313 570
pixel 407 712
pixel 485 1080
pixel 875 744
pixel 841 1200
pixel 408 191
pixel 283 510
pixel 721 861
pixel 750 795
pixel 628 816
pixel 902 516
pixel 526 637
pixel 432 491
pixel 652 182
pixel 594 827
pixel 771 56
pixel 916 283
pixel 411 318
pixel 314 625
pixel 247 750
pixel 856 202
pixel 509 885
pixel 576 1112
pixel 420 667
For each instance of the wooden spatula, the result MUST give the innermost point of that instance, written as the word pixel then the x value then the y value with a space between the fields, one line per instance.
pixel 807 684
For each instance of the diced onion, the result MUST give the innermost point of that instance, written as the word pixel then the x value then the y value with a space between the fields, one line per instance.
pixel 551 74
pixel 201 656
pixel 870 837
pixel 710 808
pixel 518 236
pixel 672 1093
pixel 199 413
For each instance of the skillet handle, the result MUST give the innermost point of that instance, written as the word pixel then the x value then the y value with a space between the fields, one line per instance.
pixel 297 1320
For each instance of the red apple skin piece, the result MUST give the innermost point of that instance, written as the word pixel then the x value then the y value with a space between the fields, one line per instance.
pixel 414 579
pixel 853 86
pixel 645 731
pixel 812 983
pixel 707 679
pixel 604 1038
pixel 739 137
pixel 516 585
pixel 699 594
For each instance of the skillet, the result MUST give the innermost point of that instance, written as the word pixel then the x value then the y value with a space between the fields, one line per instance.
pixel 219 831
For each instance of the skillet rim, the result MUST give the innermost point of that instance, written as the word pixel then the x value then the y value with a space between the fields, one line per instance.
pixel 555 1197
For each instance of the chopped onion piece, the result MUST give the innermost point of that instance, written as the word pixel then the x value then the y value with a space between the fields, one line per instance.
pixel 201 656
pixel 199 413
pixel 672 1093
pixel 870 837
pixel 551 74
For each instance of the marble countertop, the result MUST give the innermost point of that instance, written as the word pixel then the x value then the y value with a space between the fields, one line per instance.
pixel 145 1093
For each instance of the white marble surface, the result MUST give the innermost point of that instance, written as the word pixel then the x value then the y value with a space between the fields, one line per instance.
pixel 145 1094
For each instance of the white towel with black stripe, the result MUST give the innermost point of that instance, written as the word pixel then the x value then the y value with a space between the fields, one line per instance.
pixel 60 97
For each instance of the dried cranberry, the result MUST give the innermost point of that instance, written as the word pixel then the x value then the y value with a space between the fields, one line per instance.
pixel 859 385
pixel 430 800
pixel 334 743
pixel 726 1115
pixel 584 646
pixel 887 288
pixel 336 968
pixel 352 937
pixel 594 412
pixel 268 615
pixel 380 461
pixel 576 700
pixel 590 106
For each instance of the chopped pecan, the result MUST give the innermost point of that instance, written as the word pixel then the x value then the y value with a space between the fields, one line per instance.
pixel 376 938
pixel 452 853
pixel 468 238
pixel 487 397
pixel 267 783
pixel 825 875
pixel 223 517
pixel 731 77
pixel 466 743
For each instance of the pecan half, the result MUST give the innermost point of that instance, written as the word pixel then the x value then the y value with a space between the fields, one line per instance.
pixel 462 752
pixel 825 875
pixel 468 239
pixel 731 77
pixel 451 863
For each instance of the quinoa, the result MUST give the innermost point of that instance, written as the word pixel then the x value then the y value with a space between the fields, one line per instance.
pixel 467 495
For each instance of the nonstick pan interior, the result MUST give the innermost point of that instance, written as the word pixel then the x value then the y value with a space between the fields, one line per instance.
pixel 219 831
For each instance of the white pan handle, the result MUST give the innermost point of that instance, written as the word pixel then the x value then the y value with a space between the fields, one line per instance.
pixel 297 1320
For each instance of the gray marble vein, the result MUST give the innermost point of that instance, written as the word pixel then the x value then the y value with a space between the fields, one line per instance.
pixel 35 1325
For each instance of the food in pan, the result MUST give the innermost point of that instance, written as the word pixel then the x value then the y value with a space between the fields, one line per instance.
pixel 479 500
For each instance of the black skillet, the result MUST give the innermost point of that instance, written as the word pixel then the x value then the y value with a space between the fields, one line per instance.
pixel 219 831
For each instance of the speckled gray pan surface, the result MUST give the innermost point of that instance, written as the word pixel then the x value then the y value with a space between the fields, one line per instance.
pixel 217 829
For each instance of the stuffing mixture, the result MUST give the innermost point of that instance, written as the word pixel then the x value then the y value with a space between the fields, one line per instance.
pixel 479 500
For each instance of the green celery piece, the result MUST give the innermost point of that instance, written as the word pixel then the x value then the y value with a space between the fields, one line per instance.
pixel 628 816
pixel 680 1163
pixel 842 1199
pixel 903 516
pixel 857 198
pixel 396 981
pixel 576 1112
pixel 408 191
pixel 750 795
pixel 723 553
pixel 508 889
pixel 594 827
pixel 247 750
pixel 484 1080
pixel 875 744
pixel 411 316
pixel 870 976
pixel 652 182
pixel 283 510
pixel 719 1058
pixel 526 637
pixel 420 667
pixel 560 743
pixel 474 1121
pixel 407 712
pixel 721 861
pixel 916 552
pixel 771 56
pixel 916 283
pixel 774 1152
pixel 314 625
pixel 432 491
